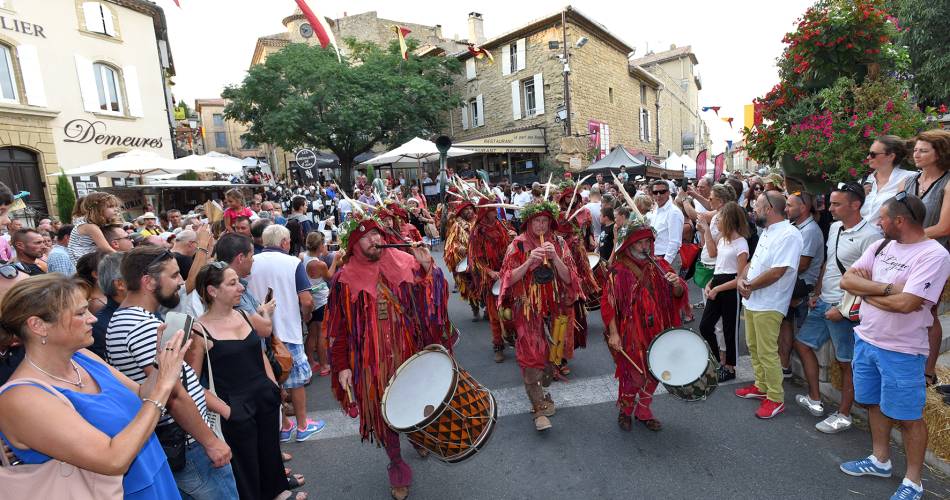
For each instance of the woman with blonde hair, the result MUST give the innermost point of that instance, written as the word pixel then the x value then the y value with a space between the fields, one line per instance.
pixel 109 428
pixel 97 210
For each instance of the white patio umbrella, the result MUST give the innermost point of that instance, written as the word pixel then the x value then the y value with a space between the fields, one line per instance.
pixel 213 161
pixel 135 163
pixel 417 149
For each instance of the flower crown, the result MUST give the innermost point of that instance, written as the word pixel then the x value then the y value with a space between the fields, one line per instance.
pixel 533 209
pixel 353 224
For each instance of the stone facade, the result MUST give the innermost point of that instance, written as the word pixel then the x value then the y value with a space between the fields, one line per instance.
pixel 233 145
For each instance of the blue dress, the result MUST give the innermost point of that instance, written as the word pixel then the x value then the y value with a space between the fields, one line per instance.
pixel 110 411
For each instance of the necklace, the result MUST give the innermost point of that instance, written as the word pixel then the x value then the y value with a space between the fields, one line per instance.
pixel 78 384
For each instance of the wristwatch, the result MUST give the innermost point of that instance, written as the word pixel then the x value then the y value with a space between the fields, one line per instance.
pixel 888 288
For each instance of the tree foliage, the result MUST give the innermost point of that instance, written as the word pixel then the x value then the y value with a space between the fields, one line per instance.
pixel 65 199
pixel 928 42
pixel 303 97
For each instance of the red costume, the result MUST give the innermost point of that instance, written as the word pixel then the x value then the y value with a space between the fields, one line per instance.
pixel 486 251
pixel 456 250
pixel 638 297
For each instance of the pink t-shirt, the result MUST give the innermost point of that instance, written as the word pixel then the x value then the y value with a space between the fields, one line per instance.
pixel 922 268
pixel 230 214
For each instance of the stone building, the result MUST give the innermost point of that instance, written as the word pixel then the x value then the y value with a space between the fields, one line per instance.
pixel 681 129
pixel 224 136
pixel 561 91
pixel 80 81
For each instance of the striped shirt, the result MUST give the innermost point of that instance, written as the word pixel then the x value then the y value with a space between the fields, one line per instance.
pixel 79 244
pixel 130 342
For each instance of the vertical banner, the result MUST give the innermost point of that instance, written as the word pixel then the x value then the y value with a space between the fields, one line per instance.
pixel 594 131
pixel 720 164
pixel 701 164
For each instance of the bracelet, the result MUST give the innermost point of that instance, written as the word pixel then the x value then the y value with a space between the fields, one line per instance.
pixel 159 406
pixel 205 250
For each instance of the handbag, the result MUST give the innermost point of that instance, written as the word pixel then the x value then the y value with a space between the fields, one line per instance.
pixel 173 439
pixel 689 253
pixel 281 361
pixel 54 478
pixel 214 419
pixel 850 305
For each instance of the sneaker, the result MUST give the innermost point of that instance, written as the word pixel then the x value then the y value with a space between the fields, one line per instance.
pixel 813 407
pixel 907 492
pixel 769 409
pixel 541 423
pixel 834 424
pixel 750 392
pixel 285 433
pixel 724 374
pixel 312 428
pixel 866 467
pixel 786 373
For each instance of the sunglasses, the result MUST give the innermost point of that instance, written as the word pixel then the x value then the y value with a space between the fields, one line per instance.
pixel 219 265
pixel 902 199
pixel 661 192
pixel 9 271
pixel 874 154
pixel 165 255
pixel 850 187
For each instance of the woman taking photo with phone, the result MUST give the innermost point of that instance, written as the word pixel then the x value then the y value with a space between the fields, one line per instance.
pixel 110 428
pixel 243 378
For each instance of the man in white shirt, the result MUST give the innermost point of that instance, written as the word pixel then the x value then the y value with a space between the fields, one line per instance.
pixel 766 284
pixel 667 220
pixel 594 206
pixel 848 237
pixel 520 197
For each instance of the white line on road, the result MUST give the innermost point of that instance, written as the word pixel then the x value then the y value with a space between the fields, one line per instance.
pixel 513 401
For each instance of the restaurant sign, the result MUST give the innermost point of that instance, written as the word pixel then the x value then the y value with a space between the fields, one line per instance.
pixel 522 141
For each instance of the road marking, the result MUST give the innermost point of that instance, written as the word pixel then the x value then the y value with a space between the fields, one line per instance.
pixel 513 401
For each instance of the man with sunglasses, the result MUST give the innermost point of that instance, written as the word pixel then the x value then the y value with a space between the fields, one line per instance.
pixel 899 283
pixel 667 219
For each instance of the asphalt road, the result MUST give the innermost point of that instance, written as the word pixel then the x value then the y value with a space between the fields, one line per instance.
pixel 710 449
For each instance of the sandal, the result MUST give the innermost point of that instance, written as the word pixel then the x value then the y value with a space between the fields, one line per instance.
pixel 286 457
pixel 295 481
pixel 399 492
pixel 324 372
pixel 652 424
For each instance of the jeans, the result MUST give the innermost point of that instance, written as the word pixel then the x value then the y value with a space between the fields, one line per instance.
pixel 199 480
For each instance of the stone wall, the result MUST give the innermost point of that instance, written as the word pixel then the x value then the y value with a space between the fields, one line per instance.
pixel 35 135
pixel 679 109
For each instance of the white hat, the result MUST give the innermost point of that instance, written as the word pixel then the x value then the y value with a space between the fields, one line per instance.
pixel 149 215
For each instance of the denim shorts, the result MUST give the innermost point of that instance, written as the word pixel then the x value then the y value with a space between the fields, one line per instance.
pixel 817 330
pixel 300 372
pixel 200 480
pixel 893 380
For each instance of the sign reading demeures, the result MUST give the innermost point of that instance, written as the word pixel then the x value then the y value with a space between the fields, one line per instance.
pixel 83 132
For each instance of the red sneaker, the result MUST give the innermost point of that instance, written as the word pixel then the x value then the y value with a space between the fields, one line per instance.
pixel 750 392
pixel 769 409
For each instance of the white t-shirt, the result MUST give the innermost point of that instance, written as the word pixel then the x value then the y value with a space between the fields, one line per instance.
pixel 848 245
pixel 780 245
pixel 704 256
pixel 727 255
pixel 594 208
pixel 871 210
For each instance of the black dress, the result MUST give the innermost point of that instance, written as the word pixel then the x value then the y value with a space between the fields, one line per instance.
pixel 252 431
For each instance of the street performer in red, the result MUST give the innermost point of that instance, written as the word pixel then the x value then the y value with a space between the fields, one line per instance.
pixel 384 306
pixel 641 298
pixel 456 250
pixel 486 251
pixel 538 275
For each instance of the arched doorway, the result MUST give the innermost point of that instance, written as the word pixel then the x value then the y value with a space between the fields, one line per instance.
pixel 20 171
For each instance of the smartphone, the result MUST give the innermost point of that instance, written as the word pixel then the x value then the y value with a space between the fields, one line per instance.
pixel 175 321
pixel 269 296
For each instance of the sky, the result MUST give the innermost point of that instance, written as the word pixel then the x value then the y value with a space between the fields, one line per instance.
pixel 735 41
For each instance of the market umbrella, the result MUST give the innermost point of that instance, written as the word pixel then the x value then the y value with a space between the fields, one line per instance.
pixel 135 163
pixel 214 161
pixel 417 149
pixel 617 158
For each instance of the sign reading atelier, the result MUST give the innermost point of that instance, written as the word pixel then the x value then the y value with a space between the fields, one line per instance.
pixel 83 132
pixel 8 23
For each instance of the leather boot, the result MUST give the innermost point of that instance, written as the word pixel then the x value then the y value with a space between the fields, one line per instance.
pixel 499 353
pixel 541 409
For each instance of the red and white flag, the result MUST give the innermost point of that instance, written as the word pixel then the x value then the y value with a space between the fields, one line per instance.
pixel 701 164
pixel 401 34
pixel 320 27
pixel 480 53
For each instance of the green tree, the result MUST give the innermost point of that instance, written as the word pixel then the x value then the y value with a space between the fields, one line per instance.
pixel 65 199
pixel 303 97
pixel 928 41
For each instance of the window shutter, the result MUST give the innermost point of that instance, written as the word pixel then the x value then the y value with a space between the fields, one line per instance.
pixel 481 110
pixel 132 91
pixel 516 99
pixel 646 120
pixel 109 22
pixel 520 54
pixel 32 76
pixel 92 15
pixel 538 94
pixel 506 60
pixel 464 118
pixel 470 69
pixel 87 84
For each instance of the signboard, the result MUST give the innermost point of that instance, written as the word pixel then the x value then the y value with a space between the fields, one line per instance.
pixel 575 163
pixel 523 141
pixel 306 159
pixel 689 141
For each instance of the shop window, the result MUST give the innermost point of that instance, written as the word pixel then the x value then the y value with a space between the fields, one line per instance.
pixel 217 119
pixel 98 18
pixel 8 90
pixel 107 86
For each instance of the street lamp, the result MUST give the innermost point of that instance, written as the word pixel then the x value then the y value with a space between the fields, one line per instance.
pixel 443 143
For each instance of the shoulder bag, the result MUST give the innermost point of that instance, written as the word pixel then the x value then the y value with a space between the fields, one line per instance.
pixel 850 304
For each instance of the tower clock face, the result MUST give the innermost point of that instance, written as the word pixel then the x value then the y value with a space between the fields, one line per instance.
pixel 306 30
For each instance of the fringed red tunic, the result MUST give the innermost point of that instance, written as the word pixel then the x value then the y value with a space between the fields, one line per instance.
pixel 456 249
pixel 535 307
pixel 378 318
pixel 640 299
pixel 486 251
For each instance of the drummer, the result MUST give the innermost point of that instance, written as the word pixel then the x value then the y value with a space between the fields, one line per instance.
pixel 538 276
pixel 486 250
pixel 375 326
pixel 641 298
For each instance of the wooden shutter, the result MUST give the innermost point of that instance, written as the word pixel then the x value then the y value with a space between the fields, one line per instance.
pixel 87 84
pixel 470 69
pixel 520 55
pixel 506 60
pixel 481 110
pixel 32 75
pixel 516 99
pixel 464 117
pixel 132 91
pixel 538 94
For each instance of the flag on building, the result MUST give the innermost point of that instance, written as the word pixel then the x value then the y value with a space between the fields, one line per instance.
pixel 701 164
pixel 320 28
pixel 401 33
pixel 480 53
pixel 176 3
pixel 720 165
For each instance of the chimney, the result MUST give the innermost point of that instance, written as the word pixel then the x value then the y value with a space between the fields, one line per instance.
pixel 476 28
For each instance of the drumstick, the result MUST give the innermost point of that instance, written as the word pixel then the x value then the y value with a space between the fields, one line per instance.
pixel 621 351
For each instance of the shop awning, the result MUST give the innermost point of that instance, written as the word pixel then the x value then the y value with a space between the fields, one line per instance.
pixel 522 141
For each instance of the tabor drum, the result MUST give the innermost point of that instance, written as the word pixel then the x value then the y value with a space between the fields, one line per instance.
pixel 462 266
pixel 681 360
pixel 439 406
pixel 496 287
pixel 593 259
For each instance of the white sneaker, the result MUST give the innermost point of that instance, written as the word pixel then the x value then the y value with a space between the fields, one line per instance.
pixel 813 407
pixel 835 423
